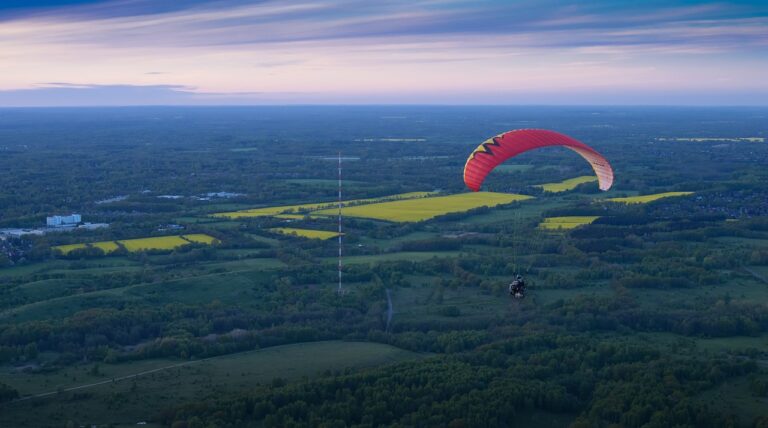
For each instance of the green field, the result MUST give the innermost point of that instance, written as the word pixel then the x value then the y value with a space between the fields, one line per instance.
pixel 166 382
pixel 566 185
pixel 421 209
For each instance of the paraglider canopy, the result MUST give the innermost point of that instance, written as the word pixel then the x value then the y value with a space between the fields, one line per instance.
pixel 498 149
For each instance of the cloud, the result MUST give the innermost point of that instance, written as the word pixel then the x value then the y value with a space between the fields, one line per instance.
pixel 356 48
pixel 67 94
pixel 61 94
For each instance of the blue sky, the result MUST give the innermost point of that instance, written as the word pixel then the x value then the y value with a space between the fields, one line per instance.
pixel 129 52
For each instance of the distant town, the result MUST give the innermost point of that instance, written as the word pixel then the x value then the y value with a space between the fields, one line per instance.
pixel 56 223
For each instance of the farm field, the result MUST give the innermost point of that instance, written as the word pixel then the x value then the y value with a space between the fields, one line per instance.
pixel 290 216
pixel 414 210
pixel 565 223
pixel 200 238
pixel 566 185
pixel 142 397
pixel 139 244
pixel 292 209
pixel 106 246
pixel 154 243
pixel 305 233
pixel 644 199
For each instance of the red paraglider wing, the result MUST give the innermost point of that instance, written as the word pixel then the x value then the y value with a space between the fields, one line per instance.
pixel 502 147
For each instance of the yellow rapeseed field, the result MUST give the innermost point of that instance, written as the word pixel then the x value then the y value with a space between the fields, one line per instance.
pixel 66 249
pixel 426 208
pixel 306 233
pixel 155 243
pixel 644 199
pixel 569 184
pixel 569 222
pixel 106 246
pixel 200 238
pixel 296 209
pixel 290 216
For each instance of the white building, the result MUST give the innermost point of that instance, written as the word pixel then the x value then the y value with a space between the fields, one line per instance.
pixel 63 220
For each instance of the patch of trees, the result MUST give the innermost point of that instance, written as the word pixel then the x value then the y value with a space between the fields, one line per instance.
pixel 7 393
pixel 491 384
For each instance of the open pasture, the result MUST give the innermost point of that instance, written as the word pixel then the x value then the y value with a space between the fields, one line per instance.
pixel 566 185
pixel 305 233
pixel 413 210
pixel 169 381
pixel 565 223
pixel 295 209
pixel 644 199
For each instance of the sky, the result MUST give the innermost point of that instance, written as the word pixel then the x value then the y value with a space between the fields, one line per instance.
pixel 454 52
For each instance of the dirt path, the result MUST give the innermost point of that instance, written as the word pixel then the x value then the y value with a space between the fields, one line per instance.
pixel 121 378
pixel 756 275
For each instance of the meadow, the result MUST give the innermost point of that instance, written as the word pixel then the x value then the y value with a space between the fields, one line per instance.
pixel 145 388
pixel 644 199
pixel 566 185
pixel 295 210
pixel 415 210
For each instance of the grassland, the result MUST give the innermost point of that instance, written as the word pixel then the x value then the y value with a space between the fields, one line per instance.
pixel 305 233
pixel 421 209
pixel 168 381
pixel 565 223
pixel 139 244
pixel 293 209
pixel 644 199
pixel 566 185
